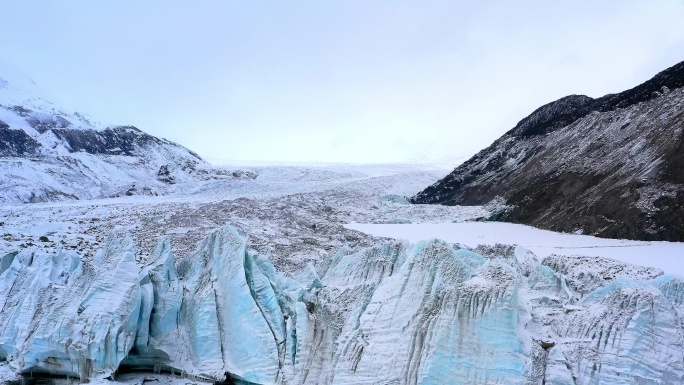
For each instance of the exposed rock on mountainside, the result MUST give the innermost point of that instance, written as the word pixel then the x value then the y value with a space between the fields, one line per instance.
pixel 612 166
pixel 49 154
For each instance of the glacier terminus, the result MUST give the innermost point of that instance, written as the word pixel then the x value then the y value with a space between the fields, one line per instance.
pixel 394 312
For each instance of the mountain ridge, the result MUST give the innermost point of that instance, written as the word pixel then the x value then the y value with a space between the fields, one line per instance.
pixel 48 153
pixel 568 109
pixel 609 166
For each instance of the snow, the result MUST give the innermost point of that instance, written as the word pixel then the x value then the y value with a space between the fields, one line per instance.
pixel 283 274
pixel 290 293
pixel 668 256
pixel 45 167
pixel 46 228
pixel 17 122
pixel 17 89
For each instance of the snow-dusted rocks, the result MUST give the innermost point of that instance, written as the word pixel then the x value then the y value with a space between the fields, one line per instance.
pixel 48 153
pixel 89 163
pixel 610 166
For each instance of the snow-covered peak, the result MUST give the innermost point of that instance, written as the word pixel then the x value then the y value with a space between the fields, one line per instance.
pixel 23 105
pixel 48 152
pixel 16 85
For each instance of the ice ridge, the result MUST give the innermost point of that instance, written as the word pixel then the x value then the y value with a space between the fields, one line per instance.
pixel 394 313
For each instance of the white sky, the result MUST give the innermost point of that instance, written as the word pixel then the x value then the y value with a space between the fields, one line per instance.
pixel 354 81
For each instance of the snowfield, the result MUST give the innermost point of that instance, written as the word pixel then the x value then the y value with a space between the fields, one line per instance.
pixel 324 274
pixel 667 256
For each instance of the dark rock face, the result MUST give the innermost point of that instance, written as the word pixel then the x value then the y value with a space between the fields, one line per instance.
pixel 554 115
pixel 164 175
pixel 612 166
pixel 570 108
pixel 124 140
pixel 16 142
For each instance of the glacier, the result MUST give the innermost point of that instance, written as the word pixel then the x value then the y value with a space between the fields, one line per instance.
pixel 432 312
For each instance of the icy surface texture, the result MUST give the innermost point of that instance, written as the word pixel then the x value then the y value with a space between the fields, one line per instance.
pixel 627 333
pixel 65 317
pixel 627 330
pixel 418 315
pixel 394 313
pixel 585 274
pixel 226 325
pixel 219 315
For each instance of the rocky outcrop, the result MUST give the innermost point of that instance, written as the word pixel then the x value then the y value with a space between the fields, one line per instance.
pixel 16 142
pixel 609 166
pixel 164 175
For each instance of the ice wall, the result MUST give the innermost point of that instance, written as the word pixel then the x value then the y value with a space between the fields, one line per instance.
pixel 66 317
pixel 409 315
pixel 396 313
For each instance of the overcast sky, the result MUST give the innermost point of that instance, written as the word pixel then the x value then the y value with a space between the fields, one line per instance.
pixel 355 81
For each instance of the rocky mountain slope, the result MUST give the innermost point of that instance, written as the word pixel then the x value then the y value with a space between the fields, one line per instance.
pixel 47 153
pixel 612 166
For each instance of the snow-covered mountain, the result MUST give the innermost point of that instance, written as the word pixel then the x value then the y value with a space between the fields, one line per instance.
pixel 610 166
pixel 47 153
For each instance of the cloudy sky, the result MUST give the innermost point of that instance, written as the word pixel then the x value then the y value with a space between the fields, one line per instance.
pixel 355 81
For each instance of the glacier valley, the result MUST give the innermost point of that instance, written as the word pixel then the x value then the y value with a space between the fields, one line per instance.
pixel 264 281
